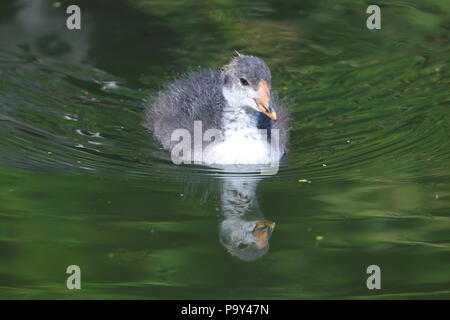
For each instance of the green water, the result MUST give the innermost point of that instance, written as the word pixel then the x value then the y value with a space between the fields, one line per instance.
pixel 82 182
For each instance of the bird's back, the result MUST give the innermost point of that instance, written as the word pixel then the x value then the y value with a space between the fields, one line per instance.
pixel 196 96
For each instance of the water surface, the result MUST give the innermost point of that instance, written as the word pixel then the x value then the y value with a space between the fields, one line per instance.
pixel 82 182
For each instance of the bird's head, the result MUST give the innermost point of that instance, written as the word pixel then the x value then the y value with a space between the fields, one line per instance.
pixel 246 83
pixel 246 240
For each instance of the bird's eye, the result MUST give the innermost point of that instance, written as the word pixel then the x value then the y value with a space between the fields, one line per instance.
pixel 244 82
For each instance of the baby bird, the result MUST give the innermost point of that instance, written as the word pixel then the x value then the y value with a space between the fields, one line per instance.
pixel 237 101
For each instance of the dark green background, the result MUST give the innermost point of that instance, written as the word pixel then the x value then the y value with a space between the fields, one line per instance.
pixel 81 182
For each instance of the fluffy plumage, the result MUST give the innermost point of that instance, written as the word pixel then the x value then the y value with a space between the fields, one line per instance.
pixel 200 96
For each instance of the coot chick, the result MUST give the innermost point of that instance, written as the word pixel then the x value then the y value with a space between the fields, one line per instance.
pixel 236 100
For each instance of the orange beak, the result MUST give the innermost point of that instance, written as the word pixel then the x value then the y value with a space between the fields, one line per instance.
pixel 262 231
pixel 263 102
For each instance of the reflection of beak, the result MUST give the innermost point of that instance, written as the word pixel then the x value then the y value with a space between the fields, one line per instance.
pixel 263 101
pixel 262 231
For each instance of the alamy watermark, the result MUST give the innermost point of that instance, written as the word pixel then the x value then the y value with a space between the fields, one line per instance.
pixel 194 148
pixel 374 280
pixel 73 22
pixel 374 20
pixel 74 280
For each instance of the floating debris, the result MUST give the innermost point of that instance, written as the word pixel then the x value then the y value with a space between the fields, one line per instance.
pixel 304 181
pixel 324 165
pixel 436 197
pixel 319 238
pixel 56 4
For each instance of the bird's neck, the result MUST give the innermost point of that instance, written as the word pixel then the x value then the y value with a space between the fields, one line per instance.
pixel 238 198
pixel 238 120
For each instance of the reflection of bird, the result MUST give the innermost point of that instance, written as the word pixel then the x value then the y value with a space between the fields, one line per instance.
pixel 243 231
pixel 236 100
